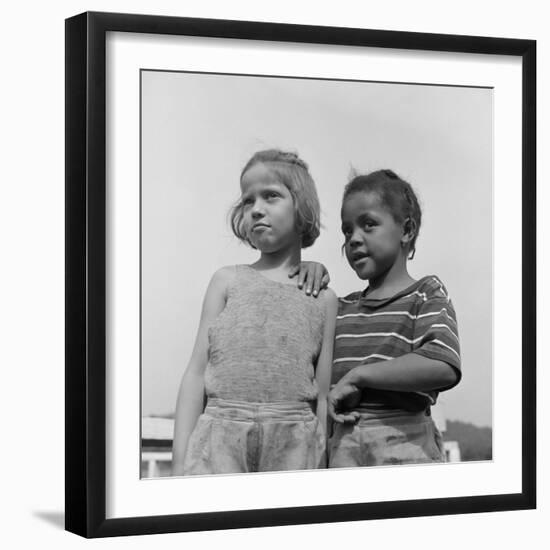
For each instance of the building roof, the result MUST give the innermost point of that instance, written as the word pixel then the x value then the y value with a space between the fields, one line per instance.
pixel 153 427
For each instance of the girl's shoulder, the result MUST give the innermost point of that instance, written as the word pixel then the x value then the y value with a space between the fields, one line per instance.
pixel 351 298
pixel 328 297
pixel 224 276
pixel 432 288
pixel 328 294
pixel 226 272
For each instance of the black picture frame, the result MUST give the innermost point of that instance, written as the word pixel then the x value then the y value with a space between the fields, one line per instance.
pixel 86 273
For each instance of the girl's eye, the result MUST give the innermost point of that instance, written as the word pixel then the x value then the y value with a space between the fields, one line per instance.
pixel 272 195
pixel 247 201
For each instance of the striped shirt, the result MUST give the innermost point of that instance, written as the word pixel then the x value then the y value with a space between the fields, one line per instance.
pixel 420 319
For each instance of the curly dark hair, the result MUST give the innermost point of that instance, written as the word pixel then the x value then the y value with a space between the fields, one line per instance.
pixel 396 195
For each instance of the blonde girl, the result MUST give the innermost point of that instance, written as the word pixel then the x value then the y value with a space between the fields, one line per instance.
pixel 253 397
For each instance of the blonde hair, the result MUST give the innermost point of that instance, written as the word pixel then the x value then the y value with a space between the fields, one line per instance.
pixel 293 172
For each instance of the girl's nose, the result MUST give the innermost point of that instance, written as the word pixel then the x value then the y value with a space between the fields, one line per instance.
pixel 257 209
pixel 355 239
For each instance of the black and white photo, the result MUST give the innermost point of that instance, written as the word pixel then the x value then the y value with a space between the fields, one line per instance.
pixel 213 160
pixel 198 131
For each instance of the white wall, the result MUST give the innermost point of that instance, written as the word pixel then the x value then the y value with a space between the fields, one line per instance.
pixel 31 233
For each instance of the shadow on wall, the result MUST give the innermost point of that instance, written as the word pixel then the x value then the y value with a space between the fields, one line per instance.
pixel 57 519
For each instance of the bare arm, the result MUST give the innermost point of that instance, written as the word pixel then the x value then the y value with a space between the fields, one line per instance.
pixel 324 362
pixel 410 372
pixel 190 401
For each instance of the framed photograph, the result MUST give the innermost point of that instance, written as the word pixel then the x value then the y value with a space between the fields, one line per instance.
pixel 163 114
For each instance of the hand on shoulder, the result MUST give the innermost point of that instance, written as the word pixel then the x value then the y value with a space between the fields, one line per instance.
pixel 312 277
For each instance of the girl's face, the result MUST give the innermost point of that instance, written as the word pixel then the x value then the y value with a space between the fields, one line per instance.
pixel 268 210
pixel 373 239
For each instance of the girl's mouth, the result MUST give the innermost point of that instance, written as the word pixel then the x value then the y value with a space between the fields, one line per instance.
pixel 259 226
pixel 358 258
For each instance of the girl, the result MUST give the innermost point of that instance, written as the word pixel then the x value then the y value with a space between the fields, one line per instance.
pixel 263 350
pixel 396 343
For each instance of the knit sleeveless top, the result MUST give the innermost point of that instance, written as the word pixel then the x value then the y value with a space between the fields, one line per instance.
pixel 264 344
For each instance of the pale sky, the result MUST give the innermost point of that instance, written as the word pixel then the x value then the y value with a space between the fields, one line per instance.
pixel 199 130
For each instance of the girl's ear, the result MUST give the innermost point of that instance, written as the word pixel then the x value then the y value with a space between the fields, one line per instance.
pixel 409 231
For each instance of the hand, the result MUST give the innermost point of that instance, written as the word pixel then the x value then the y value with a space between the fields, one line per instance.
pixel 311 274
pixel 342 397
